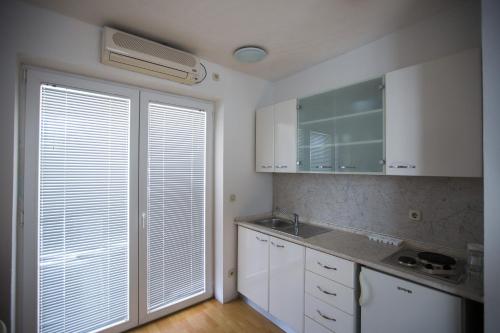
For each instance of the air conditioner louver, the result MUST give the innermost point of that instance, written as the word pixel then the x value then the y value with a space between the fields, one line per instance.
pixel 134 53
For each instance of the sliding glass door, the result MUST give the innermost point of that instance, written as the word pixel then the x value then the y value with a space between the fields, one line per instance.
pixel 174 203
pixel 116 205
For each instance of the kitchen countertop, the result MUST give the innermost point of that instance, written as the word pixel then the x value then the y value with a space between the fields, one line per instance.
pixel 358 248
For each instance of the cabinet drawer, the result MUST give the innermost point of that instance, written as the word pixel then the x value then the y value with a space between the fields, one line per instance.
pixel 329 316
pixel 330 292
pixel 313 327
pixel 331 267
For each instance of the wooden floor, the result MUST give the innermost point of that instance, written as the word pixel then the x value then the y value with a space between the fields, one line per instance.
pixel 211 316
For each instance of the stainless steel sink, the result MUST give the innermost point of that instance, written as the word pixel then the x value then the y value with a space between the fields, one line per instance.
pixel 304 230
pixel 275 223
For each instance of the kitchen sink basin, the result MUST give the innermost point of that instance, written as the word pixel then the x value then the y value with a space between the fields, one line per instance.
pixel 275 223
pixel 304 230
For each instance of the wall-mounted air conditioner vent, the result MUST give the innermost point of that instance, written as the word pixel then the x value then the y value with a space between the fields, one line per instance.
pixel 134 53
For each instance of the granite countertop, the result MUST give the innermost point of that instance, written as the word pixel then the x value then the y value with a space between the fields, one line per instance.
pixel 358 248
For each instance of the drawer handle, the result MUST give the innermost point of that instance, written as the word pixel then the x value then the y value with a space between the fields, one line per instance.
pixel 326 267
pixel 326 317
pixel 260 239
pixel 325 292
pixel 277 245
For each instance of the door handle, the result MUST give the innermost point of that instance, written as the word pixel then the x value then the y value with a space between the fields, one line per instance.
pixel 143 220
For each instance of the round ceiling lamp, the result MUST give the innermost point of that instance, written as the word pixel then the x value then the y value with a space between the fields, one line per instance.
pixel 249 54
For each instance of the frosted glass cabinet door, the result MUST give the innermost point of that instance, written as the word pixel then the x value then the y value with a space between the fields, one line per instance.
pixel 359 127
pixel 343 130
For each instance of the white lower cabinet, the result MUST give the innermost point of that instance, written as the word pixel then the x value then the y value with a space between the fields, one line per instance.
pixel 330 294
pixel 329 316
pixel 310 326
pixel 253 266
pixel 304 289
pixel 286 282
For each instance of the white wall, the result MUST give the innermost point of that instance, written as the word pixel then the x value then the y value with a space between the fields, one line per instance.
pixel 40 37
pixel 440 35
pixel 491 109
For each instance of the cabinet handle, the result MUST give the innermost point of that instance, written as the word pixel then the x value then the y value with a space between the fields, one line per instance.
pixel 325 292
pixel 408 291
pixel 326 317
pixel 343 167
pixel 402 166
pixel 260 239
pixel 266 166
pixel 277 245
pixel 323 167
pixel 326 267
pixel 281 166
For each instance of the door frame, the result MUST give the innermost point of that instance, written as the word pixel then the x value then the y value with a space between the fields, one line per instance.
pixel 28 231
pixel 148 96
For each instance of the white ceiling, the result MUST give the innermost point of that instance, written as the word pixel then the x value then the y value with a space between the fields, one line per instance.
pixel 296 33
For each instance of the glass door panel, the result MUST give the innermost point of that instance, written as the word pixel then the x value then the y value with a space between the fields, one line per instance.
pixel 342 130
pixel 80 259
pixel 315 146
pixel 174 241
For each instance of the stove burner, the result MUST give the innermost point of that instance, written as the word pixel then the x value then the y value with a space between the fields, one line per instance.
pixel 407 261
pixel 436 259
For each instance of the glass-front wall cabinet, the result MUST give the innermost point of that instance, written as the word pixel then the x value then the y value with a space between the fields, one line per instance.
pixel 342 130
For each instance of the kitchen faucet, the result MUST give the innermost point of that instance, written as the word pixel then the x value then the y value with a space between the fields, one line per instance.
pixel 295 217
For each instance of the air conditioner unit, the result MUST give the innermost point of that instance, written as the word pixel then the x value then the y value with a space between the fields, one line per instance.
pixel 137 54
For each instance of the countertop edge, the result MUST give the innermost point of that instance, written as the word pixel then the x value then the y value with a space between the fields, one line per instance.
pixel 457 290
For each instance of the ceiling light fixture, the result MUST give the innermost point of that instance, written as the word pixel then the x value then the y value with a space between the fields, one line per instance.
pixel 249 54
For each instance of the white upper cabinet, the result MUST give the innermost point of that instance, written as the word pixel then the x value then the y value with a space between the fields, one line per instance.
pixel 285 126
pixel 434 118
pixel 264 139
pixel 276 133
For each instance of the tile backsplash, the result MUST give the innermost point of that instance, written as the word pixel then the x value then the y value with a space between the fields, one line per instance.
pixel 452 208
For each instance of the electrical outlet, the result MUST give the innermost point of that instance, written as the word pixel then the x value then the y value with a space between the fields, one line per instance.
pixel 415 215
pixel 230 273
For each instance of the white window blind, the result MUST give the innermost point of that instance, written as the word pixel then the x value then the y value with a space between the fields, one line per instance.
pixel 320 151
pixel 176 188
pixel 83 230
